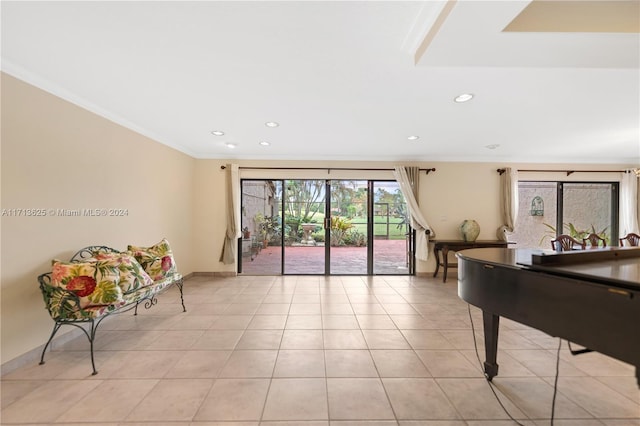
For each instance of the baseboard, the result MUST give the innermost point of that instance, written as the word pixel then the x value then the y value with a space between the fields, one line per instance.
pixel 32 357
pixel 214 274
pixel 225 274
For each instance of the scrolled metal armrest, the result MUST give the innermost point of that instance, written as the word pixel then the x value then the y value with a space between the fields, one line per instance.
pixel 90 251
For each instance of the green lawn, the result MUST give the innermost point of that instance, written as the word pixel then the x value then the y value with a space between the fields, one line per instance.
pixel 380 226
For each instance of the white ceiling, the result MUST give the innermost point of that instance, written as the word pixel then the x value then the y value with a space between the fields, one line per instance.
pixel 341 78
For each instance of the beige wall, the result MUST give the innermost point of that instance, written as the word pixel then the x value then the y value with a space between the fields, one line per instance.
pixel 209 217
pixel 451 194
pixel 58 156
pixel 448 196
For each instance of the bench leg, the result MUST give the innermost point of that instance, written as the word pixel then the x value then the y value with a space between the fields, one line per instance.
pixel 94 329
pixel 56 327
pixel 179 284
pixel 91 335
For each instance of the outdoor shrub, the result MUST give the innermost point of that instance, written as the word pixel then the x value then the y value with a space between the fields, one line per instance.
pixel 355 238
pixel 339 228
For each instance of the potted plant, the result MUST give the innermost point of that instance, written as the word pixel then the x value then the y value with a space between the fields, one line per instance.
pixel 246 234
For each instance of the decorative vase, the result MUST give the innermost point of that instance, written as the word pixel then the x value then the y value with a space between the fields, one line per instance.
pixel 469 229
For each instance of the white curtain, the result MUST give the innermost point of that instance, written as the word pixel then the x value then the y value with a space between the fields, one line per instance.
pixel 629 203
pixel 230 245
pixel 407 177
pixel 508 202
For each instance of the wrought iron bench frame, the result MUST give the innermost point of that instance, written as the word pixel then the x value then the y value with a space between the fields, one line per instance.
pixel 49 291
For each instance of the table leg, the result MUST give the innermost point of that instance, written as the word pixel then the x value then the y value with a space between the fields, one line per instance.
pixel 491 324
pixel 436 254
pixel 445 262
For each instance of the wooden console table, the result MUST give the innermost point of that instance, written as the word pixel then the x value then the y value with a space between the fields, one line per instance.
pixel 441 248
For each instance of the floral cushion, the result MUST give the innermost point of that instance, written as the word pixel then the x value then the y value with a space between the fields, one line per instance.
pixel 156 260
pixel 147 292
pixel 132 275
pixel 94 284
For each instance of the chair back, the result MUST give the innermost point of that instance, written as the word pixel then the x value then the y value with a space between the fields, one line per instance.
pixel 566 242
pixel 595 240
pixel 631 240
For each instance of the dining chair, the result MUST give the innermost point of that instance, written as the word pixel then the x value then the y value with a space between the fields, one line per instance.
pixel 566 242
pixel 631 239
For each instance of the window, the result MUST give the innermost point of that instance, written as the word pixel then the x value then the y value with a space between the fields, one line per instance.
pixel 548 209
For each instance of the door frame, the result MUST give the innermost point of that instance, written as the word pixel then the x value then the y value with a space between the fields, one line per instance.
pixel 370 210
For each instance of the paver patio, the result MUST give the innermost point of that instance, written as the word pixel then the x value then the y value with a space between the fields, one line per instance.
pixel 390 257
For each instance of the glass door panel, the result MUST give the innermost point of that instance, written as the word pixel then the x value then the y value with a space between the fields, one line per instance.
pixel 304 236
pixel 537 215
pixel 348 236
pixel 261 221
pixel 391 243
pixel 586 208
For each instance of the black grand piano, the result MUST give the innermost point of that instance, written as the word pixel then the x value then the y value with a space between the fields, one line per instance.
pixel 588 297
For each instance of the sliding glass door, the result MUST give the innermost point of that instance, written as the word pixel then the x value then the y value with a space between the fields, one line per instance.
pixel 548 209
pixel 322 227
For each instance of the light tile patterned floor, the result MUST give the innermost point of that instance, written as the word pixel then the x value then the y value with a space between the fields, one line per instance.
pixel 315 351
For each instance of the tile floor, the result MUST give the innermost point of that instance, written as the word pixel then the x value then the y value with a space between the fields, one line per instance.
pixel 315 351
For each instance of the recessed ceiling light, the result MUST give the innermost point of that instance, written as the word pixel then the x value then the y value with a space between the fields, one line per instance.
pixel 271 124
pixel 413 138
pixel 492 146
pixel 264 143
pixel 465 97
pixel 230 145
pixel 217 132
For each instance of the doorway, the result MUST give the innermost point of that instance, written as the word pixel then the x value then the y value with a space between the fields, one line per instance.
pixel 324 227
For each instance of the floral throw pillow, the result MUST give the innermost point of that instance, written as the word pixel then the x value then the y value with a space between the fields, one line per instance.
pixel 132 275
pixel 94 284
pixel 156 260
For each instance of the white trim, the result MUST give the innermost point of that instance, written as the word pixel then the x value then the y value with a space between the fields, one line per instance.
pixel 56 90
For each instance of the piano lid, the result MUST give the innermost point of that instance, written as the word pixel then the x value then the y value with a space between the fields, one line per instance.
pixel 572 257
pixel 617 266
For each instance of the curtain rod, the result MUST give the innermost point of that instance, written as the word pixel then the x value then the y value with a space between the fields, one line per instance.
pixel 328 169
pixel 568 172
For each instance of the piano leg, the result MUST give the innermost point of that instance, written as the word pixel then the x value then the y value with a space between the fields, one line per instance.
pixel 491 324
